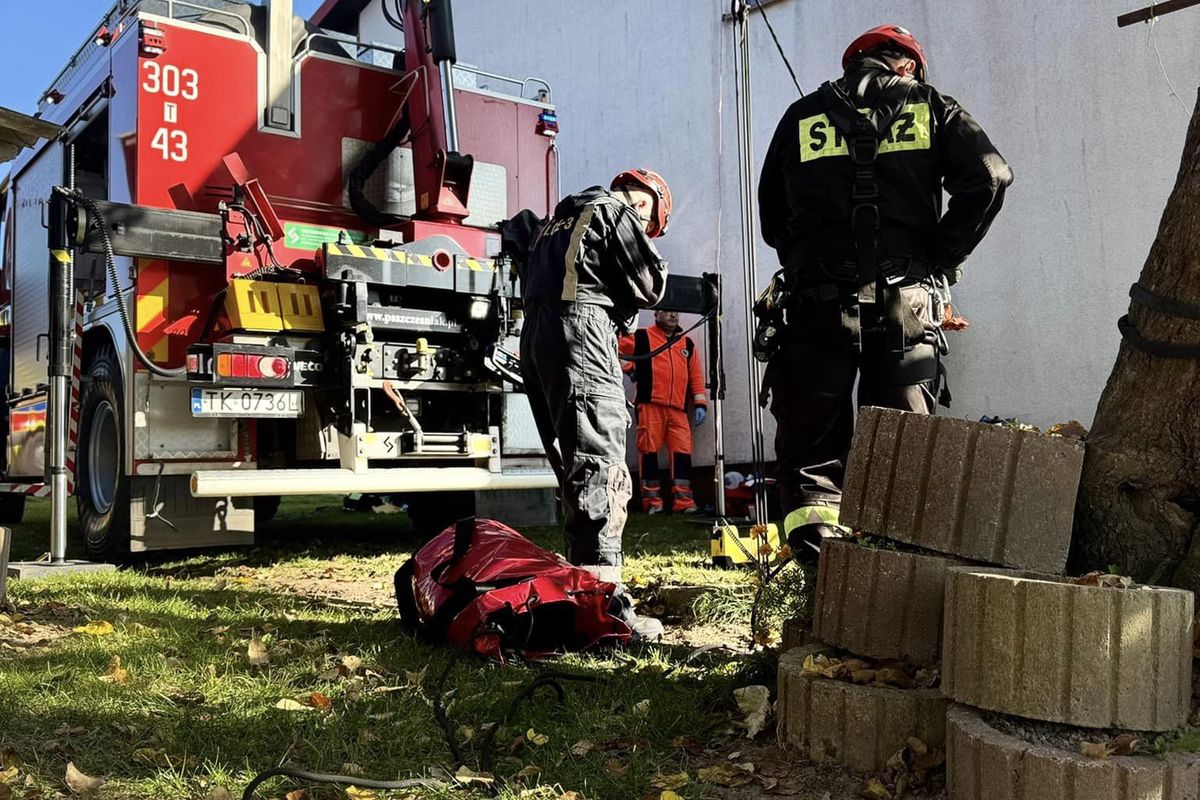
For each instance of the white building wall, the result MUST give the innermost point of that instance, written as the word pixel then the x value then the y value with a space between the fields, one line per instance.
pixel 1079 107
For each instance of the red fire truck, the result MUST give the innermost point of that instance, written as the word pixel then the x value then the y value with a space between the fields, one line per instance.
pixel 287 268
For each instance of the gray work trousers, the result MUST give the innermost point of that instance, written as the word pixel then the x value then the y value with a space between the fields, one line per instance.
pixel 573 379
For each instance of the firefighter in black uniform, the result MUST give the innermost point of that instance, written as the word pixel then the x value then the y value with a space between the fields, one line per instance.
pixel 851 199
pixel 590 270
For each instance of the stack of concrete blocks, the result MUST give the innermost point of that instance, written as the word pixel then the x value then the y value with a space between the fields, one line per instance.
pixel 1038 647
pixel 952 493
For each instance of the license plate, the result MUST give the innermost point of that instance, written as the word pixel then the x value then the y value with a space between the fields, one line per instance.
pixel 247 402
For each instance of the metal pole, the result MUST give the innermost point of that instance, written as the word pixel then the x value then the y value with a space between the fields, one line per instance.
pixel 62 329
pixel 749 214
pixel 717 382
pixel 447 70
pixel 1155 10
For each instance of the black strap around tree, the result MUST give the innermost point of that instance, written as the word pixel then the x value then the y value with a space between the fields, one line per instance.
pixel 1168 307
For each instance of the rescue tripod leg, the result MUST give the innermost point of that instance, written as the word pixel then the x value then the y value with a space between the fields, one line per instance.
pixel 63 220
pixel 729 546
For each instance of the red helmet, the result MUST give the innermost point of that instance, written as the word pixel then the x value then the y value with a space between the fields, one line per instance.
pixel 653 183
pixel 888 35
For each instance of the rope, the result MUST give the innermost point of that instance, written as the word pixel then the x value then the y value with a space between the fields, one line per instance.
pixel 1151 39
pixel 758 4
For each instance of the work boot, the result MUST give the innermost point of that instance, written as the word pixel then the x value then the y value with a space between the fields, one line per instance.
pixel 805 540
pixel 644 629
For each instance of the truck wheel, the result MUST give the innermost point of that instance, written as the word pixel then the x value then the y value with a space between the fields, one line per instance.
pixel 12 508
pixel 101 486
pixel 265 508
pixel 433 512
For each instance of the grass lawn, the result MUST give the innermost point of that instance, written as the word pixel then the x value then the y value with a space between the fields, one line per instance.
pixel 186 713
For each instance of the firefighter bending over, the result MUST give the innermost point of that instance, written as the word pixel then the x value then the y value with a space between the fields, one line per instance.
pixel 851 198
pixel 665 368
pixel 590 270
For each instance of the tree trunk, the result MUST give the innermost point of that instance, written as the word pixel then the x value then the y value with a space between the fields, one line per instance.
pixel 1139 501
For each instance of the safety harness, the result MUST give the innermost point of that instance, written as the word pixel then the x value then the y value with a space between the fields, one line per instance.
pixel 878 295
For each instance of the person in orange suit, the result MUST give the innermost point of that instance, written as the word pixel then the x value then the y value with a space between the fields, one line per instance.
pixel 665 383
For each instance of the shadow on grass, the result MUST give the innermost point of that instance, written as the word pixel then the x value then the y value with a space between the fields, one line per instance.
pixel 194 705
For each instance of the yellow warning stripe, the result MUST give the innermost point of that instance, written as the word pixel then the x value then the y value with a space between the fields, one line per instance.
pixel 401 257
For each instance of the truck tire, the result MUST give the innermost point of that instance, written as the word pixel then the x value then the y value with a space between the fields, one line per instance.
pixel 101 486
pixel 265 508
pixel 433 512
pixel 12 508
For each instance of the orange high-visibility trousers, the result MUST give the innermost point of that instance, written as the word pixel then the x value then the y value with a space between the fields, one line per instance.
pixel 659 426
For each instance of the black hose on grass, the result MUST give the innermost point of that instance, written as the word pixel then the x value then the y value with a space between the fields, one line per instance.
pixel 330 778
pixel 548 678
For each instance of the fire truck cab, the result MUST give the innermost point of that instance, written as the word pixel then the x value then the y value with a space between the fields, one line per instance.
pixel 287 268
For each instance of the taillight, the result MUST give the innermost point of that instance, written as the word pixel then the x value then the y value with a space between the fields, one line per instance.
pixel 252 365
pixel 274 367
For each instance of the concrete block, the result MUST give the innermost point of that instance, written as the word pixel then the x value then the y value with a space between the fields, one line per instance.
pixel 881 603
pixel 1038 647
pixel 861 727
pixel 983 492
pixel 984 764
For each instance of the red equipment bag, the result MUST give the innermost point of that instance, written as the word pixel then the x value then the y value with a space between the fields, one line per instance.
pixel 484 587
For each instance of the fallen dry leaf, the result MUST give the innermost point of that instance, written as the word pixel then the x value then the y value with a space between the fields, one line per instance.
pixel 642 707
pixel 355 793
pixel 8 774
pixel 320 701
pixel 100 628
pixel 615 767
pixel 918 747
pixel 927 761
pixel 582 748
pixel 296 794
pixel 725 775
pixel 863 676
pixel 288 704
pixel 890 676
pixel 80 783
pixel 1096 750
pixel 256 651
pixel 675 780
pixel 468 776
pixel 536 739
pixel 667 794
pixel 876 790
pixel 349 665
pixel 1125 744
pixel 115 672
pixel 1103 579
pixel 1069 430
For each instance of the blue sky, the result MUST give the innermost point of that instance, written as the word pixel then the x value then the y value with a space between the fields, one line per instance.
pixel 41 35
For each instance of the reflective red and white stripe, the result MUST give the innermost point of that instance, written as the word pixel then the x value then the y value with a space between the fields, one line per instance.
pixel 76 386
pixel 28 489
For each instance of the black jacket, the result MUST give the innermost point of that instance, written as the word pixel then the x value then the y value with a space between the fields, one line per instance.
pixel 595 250
pixel 804 192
